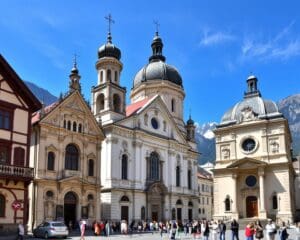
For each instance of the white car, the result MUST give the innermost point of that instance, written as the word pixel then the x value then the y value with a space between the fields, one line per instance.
pixel 51 229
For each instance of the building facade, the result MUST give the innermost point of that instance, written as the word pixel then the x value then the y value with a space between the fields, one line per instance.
pixel 66 155
pixel 16 103
pixel 253 175
pixel 149 156
pixel 205 189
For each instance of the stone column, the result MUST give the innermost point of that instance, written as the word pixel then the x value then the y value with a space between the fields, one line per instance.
pixel 234 196
pixel 262 209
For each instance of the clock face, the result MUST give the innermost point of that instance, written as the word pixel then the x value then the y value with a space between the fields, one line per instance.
pixel 251 181
pixel 248 145
pixel 154 123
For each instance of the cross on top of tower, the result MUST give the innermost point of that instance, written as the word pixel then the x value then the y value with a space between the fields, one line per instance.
pixel 110 21
pixel 156 23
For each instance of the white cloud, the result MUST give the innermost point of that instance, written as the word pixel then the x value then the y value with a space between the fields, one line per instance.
pixel 209 39
pixel 283 46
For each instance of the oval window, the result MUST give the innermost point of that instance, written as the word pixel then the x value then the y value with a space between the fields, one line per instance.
pixel 248 145
pixel 251 181
pixel 154 123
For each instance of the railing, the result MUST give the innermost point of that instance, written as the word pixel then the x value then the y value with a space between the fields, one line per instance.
pixel 15 171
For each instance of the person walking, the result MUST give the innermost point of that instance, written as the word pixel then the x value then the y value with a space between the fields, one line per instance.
pixel 249 231
pixel 21 231
pixel 259 230
pixel 270 230
pixel 206 230
pixel 222 230
pixel 82 224
pixel 283 232
pixel 235 230
pixel 214 230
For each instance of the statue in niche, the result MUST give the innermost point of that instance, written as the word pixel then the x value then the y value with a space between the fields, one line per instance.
pixel 91 209
pixel 225 153
pixel 274 147
pixel 247 114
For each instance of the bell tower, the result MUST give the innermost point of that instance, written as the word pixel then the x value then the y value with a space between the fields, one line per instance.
pixel 108 97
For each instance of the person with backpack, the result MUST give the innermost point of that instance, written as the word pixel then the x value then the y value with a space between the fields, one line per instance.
pixel 283 232
pixel 234 230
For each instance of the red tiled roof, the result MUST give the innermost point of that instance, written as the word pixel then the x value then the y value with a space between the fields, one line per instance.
pixel 37 115
pixel 134 107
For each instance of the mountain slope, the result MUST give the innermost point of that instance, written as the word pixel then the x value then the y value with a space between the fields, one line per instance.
pixel 42 94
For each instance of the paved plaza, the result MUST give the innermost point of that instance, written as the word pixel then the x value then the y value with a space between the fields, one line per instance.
pixel 156 235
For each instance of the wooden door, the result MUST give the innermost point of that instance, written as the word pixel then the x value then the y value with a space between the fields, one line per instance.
pixel 251 206
pixel 124 213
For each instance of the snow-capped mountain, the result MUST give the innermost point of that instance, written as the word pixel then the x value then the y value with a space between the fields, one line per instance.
pixel 205 140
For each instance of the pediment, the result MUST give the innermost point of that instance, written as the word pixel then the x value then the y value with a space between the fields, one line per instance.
pixel 247 163
pixel 155 109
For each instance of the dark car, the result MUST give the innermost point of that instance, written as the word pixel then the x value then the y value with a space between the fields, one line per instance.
pixel 51 229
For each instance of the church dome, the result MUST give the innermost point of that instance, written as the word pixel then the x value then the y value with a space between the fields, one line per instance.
pixel 157 69
pixel 253 106
pixel 109 49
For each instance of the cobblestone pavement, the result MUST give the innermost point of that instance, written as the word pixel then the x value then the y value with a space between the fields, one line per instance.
pixel 156 236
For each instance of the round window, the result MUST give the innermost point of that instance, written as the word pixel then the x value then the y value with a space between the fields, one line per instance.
pixel 251 181
pixel 49 194
pixel 154 123
pixel 248 145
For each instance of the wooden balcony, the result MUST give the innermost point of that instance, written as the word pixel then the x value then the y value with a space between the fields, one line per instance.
pixel 10 172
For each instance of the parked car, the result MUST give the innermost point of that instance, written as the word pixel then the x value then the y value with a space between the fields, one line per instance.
pixel 51 229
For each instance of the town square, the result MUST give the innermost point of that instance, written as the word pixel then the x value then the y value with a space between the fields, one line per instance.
pixel 153 120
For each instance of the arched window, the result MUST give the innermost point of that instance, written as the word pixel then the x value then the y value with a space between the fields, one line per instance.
pixel 190 204
pixel 227 203
pixel 69 125
pixel 51 161
pixel 117 103
pixel 2 205
pixel 177 176
pixel 80 127
pixel 274 202
pixel 100 102
pixel 154 166
pixel 65 124
pixel 189 179
pixel 116 76
pixel 179 202
pixel 74 126
pixel 90 197
pixel 91 168
pixel 124 199
pixel 108 75
pixel 199 210
pixel 124 166
pixel 143 213
pixel 72 157
pixel 203 210
pixel 19 156
pixel 173 105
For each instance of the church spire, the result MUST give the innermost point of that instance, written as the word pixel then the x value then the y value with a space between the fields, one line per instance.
pixel 74 76
pixel 157 46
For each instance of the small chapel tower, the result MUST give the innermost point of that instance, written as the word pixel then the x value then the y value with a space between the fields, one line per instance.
pixel 74 76
pixel 108 97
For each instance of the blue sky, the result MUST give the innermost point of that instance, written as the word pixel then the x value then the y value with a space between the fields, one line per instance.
pixel 215 45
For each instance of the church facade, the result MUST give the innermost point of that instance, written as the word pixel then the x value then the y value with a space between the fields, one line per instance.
pixel 149 156
pixel 66 156
pixel 253 175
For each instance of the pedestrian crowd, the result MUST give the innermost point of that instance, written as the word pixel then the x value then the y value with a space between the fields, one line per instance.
pixel 202 229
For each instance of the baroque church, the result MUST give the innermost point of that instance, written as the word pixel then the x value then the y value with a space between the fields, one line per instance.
pixel 149 156
pixel 66 155
pixel 253 175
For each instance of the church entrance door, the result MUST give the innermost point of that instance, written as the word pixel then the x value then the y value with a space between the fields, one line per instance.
pixel 124 213
pixel 70 206
pixel 251 206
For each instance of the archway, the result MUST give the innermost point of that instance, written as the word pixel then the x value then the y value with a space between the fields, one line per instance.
pixel 155 200
pixel 70 207
pixel 251 206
